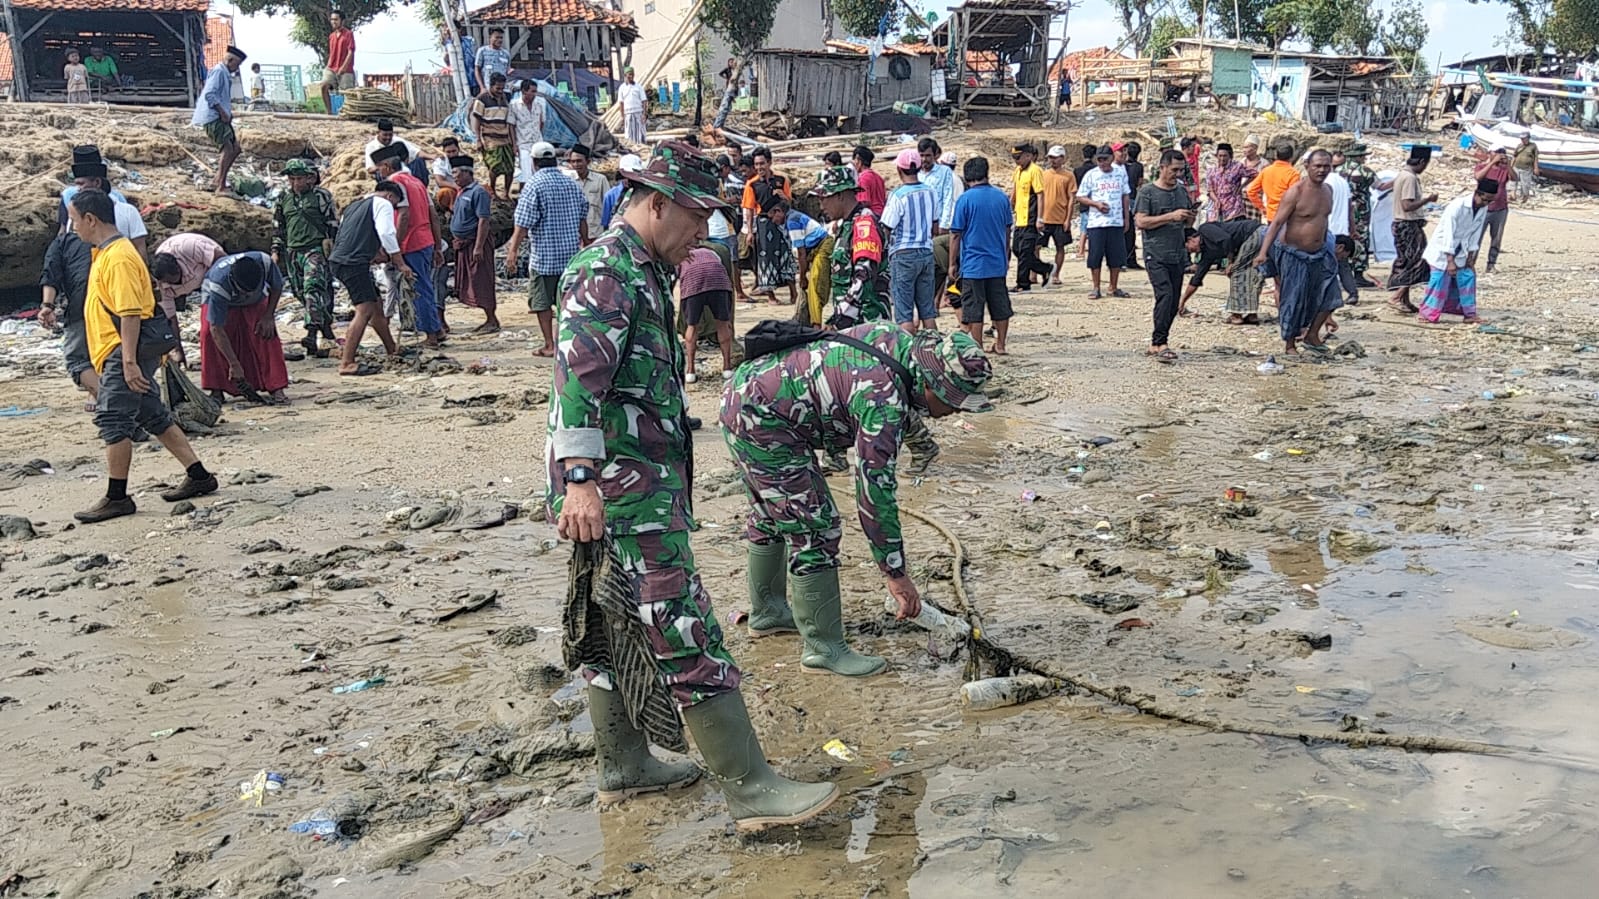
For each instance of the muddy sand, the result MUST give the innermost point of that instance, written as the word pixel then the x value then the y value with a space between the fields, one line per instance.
pixel 1410 557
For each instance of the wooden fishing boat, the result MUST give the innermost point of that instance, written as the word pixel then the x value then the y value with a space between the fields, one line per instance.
pixel 1568 156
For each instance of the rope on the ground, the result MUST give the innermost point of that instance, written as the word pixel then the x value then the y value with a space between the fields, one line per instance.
pixel 1005 659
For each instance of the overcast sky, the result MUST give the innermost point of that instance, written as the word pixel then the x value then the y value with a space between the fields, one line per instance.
pixel 1458 30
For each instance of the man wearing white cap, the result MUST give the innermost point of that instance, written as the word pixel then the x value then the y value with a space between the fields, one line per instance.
pixel 1060 193
pixel 552 209
pixel 633 99
pixel 628 163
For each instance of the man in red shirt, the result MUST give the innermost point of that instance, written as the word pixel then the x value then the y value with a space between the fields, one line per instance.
pixel 870 187
pixel 341 60
pixel 420 240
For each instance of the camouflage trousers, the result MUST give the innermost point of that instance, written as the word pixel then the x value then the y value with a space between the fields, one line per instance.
pixel 678 619
pixel 789 497
pixel 1359 231
pixel 312 284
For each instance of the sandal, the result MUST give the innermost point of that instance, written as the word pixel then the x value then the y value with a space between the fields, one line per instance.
pixel 1118 292
pixel 1093 294
pixel 362 371
pixel 1166 356
pixel 1320 349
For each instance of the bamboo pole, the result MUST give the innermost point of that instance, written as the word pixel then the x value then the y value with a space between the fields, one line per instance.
pixel 687 29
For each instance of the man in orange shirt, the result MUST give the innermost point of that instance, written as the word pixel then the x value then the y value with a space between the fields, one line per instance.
pixel 1267 190
pixel 1060 195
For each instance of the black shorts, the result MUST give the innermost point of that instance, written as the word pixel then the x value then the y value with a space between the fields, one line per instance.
pixel 1107 246
pixel 720 302
pixel 978 294
pixel 357 279
pixel 1059 235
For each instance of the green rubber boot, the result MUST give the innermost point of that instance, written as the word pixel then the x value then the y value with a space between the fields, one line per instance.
pixel 819 610
pixel 768 579
pixel 627 768
pixel 757 796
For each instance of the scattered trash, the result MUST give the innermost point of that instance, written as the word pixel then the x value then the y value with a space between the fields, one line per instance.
pixel 1099 441
pixel 1235 494
pixel 318 824
pixel 737 617
pixel 838 750
pixel 18 412
pixel 1127 624
pixel 365 683
pixel 1564 439
pixel 467 603
pixel 1296 451
pixel 1029 496
pixel 998 692
pixel 262 783
pixel 931 619
pixel 171 731
pixel 1270 367
pixel 1262 456
pixel 1186 692
pixel 1103 531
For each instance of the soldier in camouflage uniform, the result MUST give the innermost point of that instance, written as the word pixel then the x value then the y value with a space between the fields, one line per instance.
pixel 1360 178
pixel 304 223
pixel 830 395
pixel 620 465
pixel 860 288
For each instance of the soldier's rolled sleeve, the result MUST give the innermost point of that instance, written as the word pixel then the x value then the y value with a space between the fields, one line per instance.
pixel 876 489
pixel 595 308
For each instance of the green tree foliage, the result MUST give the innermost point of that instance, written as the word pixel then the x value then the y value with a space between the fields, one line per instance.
pixel 746 24
pixel 311 17
pixel 1575 25
pixel 1359 29
pixel 861 17
pixel 1405 34
pixel 1163 31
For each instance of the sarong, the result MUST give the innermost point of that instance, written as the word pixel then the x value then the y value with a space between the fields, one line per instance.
pixel 474 282
pixel 774 256
pixel 635 127
pixel 820 288
pixel 1245 282
pixel 1410 247
pixel 1307 286
pixel 499 160
pixel 261 359
pixel 1450 296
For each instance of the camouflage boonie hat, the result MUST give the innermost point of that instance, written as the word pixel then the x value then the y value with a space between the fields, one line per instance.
pixel 1356 150
pixel 954 368
pixel 297 167
pixel 835 180
pixel 683 173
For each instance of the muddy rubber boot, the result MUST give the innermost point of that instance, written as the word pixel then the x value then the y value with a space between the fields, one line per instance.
pixel 768 580
pixel 819 611
pixel 627 768
pixel 757 796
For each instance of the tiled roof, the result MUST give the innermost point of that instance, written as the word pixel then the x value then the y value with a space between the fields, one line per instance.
pixel 5 61
pixel 554 12
pixel 218 37
pixel 1071 62
pixel 199 6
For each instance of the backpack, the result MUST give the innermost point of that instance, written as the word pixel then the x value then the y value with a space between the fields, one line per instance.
pixel 776 336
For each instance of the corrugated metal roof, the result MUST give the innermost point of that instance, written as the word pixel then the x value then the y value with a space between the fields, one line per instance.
pixel 114 5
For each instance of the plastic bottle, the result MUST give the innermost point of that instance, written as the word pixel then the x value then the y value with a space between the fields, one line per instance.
pixel 933 620
pixel 1270 367
pixel 997 692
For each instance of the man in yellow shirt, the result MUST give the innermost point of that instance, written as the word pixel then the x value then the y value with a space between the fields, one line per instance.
pixel 119 299
pixel 1028 197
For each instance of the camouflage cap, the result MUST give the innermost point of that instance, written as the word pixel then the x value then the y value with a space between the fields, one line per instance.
pixel 297 167
pixel 835 180
pixel 954 368
pixel 683 173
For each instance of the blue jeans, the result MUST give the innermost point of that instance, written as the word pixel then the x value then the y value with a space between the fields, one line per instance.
pixel 426 301
pixel 911 285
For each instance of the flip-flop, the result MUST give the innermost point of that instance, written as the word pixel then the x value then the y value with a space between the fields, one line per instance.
pixel 361 371
pixel 1320 349
pixel 1093 295
pixel 1166 357
pixel 1118 292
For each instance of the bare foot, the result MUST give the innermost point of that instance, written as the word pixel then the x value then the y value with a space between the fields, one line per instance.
pixel 544 352
pixel 1235 319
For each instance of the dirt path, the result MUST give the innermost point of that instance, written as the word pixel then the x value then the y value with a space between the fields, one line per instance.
pixel 152 664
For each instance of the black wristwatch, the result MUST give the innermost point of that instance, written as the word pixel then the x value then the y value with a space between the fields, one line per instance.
pixel 580 474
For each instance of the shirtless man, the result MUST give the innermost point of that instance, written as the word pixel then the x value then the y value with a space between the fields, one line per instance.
pixel 1307 273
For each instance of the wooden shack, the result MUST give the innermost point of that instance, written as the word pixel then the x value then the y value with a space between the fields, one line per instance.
pixel 580 43
pixel 1226 68
pixel 811 82
pixel 1355 93
pixel 902 72
pixel 157 44
pixel 1015 35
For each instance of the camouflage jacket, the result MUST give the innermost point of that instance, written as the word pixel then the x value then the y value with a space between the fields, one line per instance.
pixel 1360 178
pixel 618 392
pixel 303 221
pixel 832 397
pixel 860 280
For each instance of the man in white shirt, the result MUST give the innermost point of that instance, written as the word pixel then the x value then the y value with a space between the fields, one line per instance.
pixel 594 186
pixel 633 99
pixel 385 136
pixel 1452 254
pixel 529 111
pixel 367 236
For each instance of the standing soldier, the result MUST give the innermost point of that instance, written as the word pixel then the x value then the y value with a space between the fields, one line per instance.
pixel 856 388
pixel 304 223
pixel 620 469
pixel 1360 178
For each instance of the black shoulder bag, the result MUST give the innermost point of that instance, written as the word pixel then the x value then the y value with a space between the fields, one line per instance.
pixel 775 336
pixel 157 337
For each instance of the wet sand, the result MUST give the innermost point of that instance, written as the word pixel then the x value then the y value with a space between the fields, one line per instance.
pixel 1442 540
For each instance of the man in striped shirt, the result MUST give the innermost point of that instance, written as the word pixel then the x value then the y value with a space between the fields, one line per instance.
pixel 910 216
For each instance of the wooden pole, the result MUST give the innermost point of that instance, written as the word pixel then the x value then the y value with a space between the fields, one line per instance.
pixel 452 39
pixel 188 57
pixel 19 66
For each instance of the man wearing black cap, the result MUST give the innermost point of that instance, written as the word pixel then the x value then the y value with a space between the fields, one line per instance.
pixel 1451 254
pixel 1104 192
pixel 214 112
pixel 89 172
pixel 1410 229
